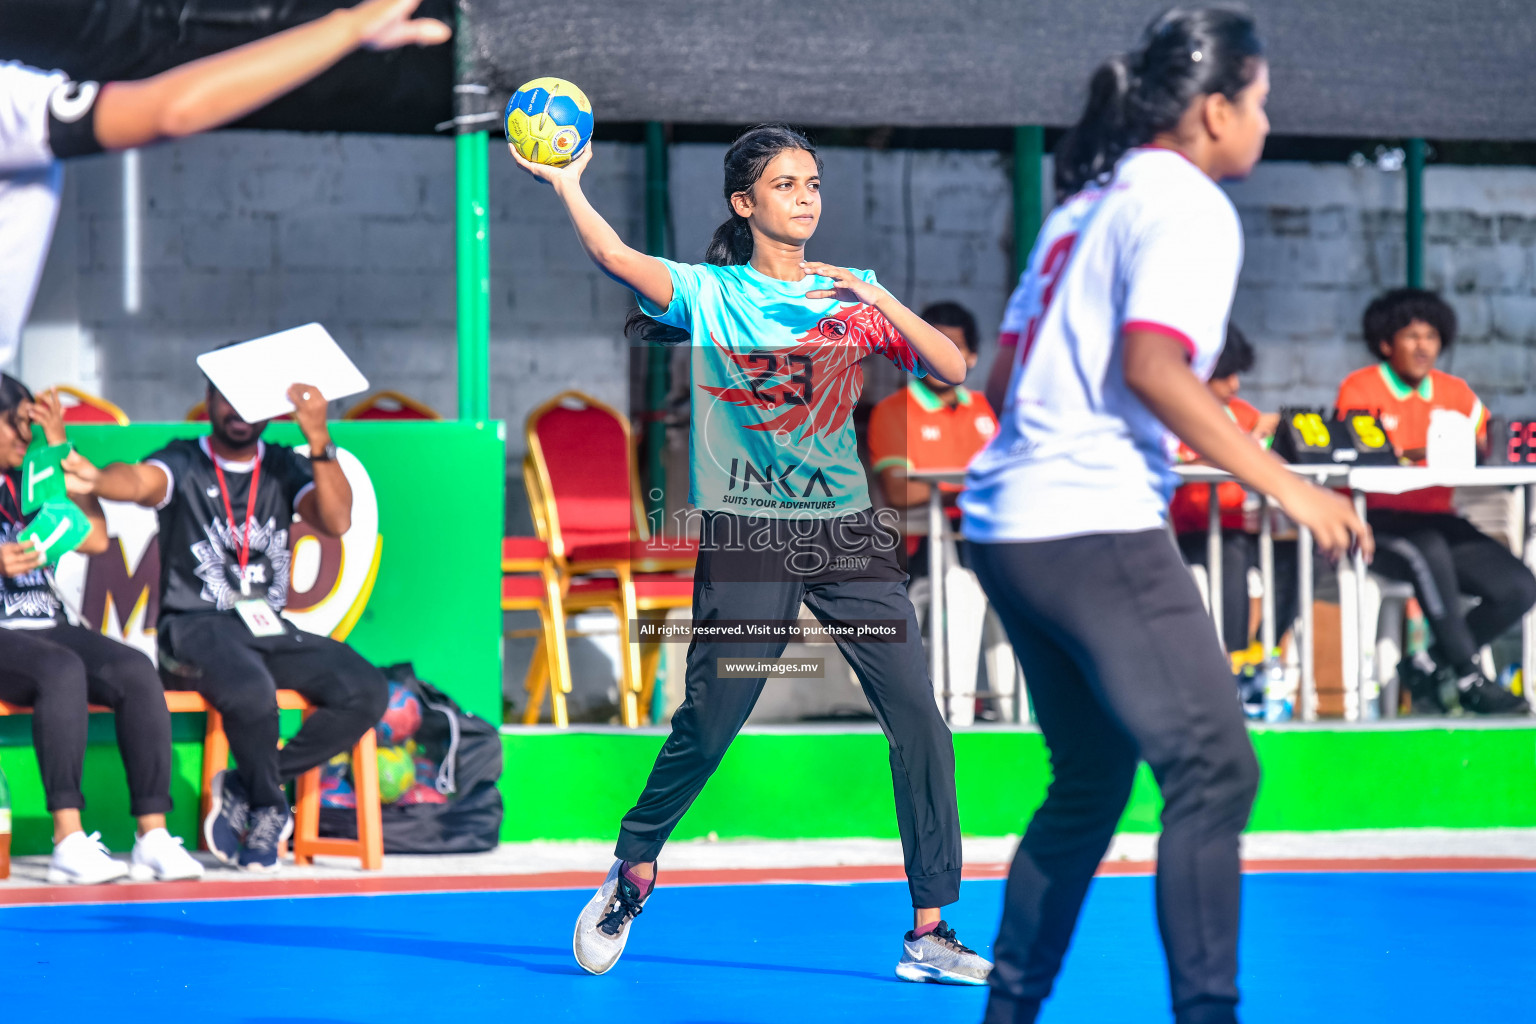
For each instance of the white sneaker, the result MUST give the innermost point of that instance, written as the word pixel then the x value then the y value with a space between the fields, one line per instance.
pixel 81 859
pixel 159 856
pixel 603 927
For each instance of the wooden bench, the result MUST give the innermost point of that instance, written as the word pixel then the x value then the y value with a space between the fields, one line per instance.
pixel 368 847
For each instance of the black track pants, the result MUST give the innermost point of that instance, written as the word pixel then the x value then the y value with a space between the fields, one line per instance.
pixel 58 672
pixel 240 674
pixel 731 585
pixel 1122 664
pixel 1444 556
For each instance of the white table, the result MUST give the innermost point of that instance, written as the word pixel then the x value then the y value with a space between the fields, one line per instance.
pixel 1323 474
pixel 936 638
pixel 1320 473
pixel 1360 481
pixel 1401 479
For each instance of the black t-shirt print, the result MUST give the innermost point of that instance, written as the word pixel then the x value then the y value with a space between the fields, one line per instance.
pixel 200 547
pixel 25 600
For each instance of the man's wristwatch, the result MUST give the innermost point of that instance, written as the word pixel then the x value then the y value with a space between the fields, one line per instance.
pixel 326 454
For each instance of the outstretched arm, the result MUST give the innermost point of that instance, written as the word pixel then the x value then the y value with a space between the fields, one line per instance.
pixel 644 275
pixel 137 482
pixel 225 87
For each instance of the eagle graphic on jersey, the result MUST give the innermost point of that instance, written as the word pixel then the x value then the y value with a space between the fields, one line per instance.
pixel 813 385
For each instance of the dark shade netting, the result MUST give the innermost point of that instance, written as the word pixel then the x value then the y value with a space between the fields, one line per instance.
pixel 1448 69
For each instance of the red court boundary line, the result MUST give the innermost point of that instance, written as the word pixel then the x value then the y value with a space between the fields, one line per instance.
pixel 284 888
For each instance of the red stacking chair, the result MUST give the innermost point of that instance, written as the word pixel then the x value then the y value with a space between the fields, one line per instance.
pixel 83 407
pixel 586 491
pixel 391 405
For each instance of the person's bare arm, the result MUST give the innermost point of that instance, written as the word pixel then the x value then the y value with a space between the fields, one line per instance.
pixel 1157 371
pixel 135 482
pixel 328 508
pixel 644 275
pixel 939 355
pixel 215 90
pixel 902 491
pixel 996 388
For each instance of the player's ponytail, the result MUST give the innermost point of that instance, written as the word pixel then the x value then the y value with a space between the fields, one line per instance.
pixel 1185 53
pixel 745 162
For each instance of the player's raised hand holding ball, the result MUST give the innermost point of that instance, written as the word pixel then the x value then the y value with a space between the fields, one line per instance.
pixel 548 122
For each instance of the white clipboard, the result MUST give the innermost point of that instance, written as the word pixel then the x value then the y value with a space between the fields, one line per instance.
pixel 255 375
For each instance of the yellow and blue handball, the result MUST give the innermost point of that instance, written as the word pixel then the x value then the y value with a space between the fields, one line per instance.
pixel 549 121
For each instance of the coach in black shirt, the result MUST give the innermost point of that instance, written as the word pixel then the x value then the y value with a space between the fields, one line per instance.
pixel 226 503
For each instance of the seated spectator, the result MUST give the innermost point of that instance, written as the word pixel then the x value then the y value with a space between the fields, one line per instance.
pixel 1189 511
pixel 1419 537
pixel 223 585
pixel 59 669
pixel 928 425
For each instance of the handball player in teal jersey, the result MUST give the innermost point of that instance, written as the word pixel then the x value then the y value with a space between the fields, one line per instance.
pixel 774 472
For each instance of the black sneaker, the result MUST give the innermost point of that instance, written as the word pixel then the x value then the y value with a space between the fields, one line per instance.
pixel 270 827
pixel 1423 688
pixel 229 816
pixel 1483 696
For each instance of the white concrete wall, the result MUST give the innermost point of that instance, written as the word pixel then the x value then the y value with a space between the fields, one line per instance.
pixel 1321 240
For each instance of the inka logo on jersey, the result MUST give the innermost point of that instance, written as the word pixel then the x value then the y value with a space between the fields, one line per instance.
pixel 777 487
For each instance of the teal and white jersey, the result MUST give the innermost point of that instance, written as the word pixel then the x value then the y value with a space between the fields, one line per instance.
pixel 775 380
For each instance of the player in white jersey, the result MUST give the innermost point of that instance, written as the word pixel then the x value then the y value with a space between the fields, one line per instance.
pixel 45 118
pixel 1124 307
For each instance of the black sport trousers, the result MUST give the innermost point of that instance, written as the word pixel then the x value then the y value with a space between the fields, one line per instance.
pixel 239 674
pixel 1443 557
pixel 61 670
pixel 1122 665
pixel 733 582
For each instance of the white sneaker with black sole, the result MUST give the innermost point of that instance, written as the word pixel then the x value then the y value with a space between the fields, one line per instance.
pixel 940 957
pixel 80 859
pixel 603 927
pixel 159 856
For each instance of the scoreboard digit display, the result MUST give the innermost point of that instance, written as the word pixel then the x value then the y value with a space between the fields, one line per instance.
pixel 1310 436
pixel 1512 440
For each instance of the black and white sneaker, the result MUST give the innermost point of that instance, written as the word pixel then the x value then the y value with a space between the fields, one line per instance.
pixel 229 817
pixel 1482 696
pixel 270 828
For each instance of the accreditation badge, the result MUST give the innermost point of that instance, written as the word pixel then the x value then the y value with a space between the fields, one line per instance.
pixel 259 617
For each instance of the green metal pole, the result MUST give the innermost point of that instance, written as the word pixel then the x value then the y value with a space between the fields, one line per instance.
pixel 474 275
pixel 1028 190
pixel 657 381
pixel 1415 217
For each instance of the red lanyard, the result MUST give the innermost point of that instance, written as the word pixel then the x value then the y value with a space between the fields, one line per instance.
pixel 11 486
pixel 250 511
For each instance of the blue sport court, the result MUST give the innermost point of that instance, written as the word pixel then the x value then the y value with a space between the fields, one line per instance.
pixel 1404 947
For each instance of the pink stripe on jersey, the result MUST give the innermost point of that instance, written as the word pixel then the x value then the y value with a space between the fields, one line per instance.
pixel 1008 339
pixel 1157 328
